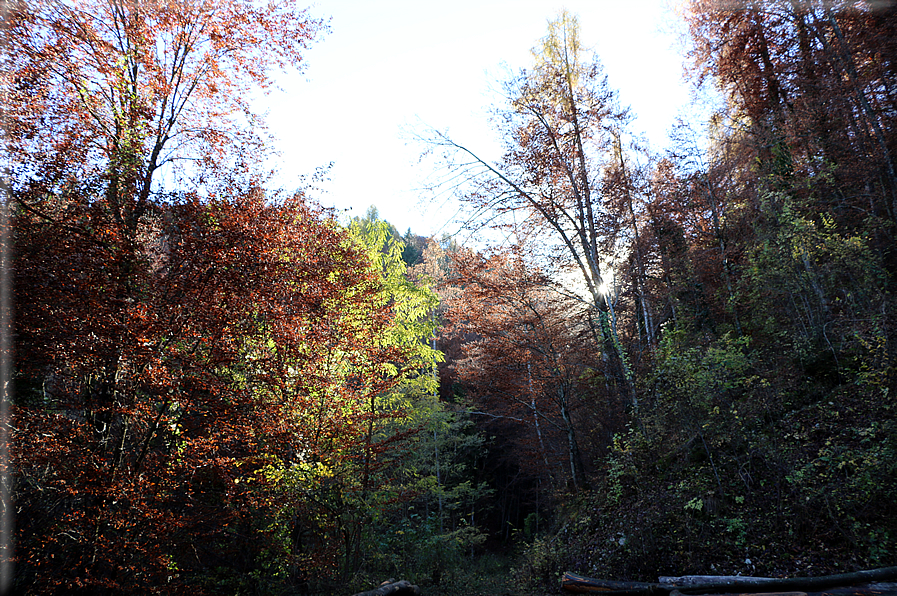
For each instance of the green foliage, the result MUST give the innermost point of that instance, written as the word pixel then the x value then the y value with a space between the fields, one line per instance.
pixel 422 549
pixel 430 529
pixel 700 376
pixel 734 464
pixel 418 521
pixel 848 469
pixel 815 289
pixel 540 566
pixel 412 303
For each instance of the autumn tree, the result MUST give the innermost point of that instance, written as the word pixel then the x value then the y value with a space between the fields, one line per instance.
pixel 105 95
pixel 771 238
pixel 807 88
pixel 561 127
pixel 251 316
pixel 809 81
pixel 178 348
pixel 699 225
pixel 113 92
pixel 527 359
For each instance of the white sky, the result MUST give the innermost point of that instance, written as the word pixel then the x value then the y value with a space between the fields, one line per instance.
pixel 393 64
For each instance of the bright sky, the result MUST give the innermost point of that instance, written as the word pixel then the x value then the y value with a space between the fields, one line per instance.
pixel 393 65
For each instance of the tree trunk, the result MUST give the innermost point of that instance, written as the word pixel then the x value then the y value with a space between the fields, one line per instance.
pixel 576 467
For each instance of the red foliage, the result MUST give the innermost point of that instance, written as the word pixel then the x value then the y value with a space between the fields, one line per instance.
pixel 156 384
pixel 809 84
pixel 531 361
pixel 170 348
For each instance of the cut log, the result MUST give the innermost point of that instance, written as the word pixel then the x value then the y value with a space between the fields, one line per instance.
pixel 732 585
pixel 754 594
pixel 864 590
pixel 852 591
pixel 684 581
pixel 399 588
pixel 802 584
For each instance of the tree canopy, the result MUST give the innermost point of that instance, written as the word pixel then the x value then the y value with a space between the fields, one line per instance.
pixel 672 363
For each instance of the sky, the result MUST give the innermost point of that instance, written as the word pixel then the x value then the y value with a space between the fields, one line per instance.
pixel 388 68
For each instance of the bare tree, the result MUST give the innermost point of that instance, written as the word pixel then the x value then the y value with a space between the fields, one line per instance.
pixel 560 130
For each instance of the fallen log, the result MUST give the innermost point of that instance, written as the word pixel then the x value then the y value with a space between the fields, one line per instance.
pixel 864 590
pixel 583 585
pixel 868 590
pixel 801 584
pixel 678 593
pixel 399 588
pixel 731 584
pixel 684 581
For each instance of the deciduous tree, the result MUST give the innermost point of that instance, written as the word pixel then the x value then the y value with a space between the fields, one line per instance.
pixel 560 130
pixel 236 350
pixel 527 358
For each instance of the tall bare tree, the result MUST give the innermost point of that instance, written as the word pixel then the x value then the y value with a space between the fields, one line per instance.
pixel 559 130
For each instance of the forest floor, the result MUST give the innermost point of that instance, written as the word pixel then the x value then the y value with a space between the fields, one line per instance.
pixel 489 574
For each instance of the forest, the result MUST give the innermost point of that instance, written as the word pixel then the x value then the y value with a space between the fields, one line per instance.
pixel 669 362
